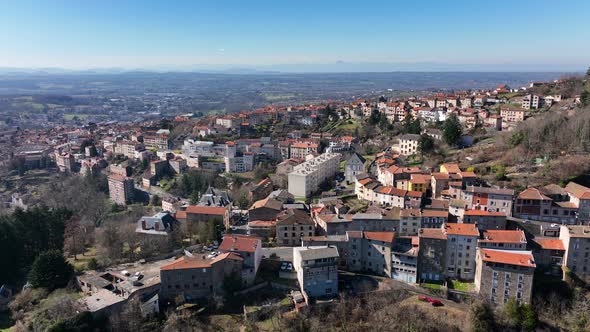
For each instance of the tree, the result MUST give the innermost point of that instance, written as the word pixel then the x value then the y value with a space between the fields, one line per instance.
pixel 74 242
pixel 452 130
pixel 426 144
pixel 528 317
pixel 585 98
pixel 156 200
pixel 482 317
pixel 50 270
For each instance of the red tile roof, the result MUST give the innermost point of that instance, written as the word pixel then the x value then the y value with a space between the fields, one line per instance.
pixel 534 194
pixel 239 243
pixel 550 243
pixel 514 257
pixel 504 236
pixel 461 229
pixel 380 236
pixel 432 233
pixel 212 210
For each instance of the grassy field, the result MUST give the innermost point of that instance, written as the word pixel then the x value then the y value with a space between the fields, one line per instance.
pixel 81 263
pixel 461 286
pixel 70 117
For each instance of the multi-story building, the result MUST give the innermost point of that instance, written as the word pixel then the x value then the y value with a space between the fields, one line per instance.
pixel 485 220
pixel 302 149
pixel 536 204
pixel 307 177
pixel 354 165
pixel 370 251
pixel 438 183
pixel 194 214
pixel 432 254
pixel 158 142
pixel 178 165
pixel 576 240
pixel 461 246
pixel 580 197
pixel 531 101
pixel 408 144
pixel 129 149
pixel 250 249
pixel 404 259
pixel 504 274
pixel 121 189
pixel 489 199
pixel 198 278
pixel 239 163
pixel 503 239
pixel 65 162
pixel 513 115
pixel 317 270
pixel 292 225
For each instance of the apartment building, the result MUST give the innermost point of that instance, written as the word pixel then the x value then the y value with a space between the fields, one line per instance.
pixel 250 249
pixel 65 162
pixel 240 163
pixel 503 239
pixel 300 150
pixel 317 270
pixel 198 278
pixel 408 144
pixel 121 189
pixel 544 204
pixel 489 199
pixel 460 251
pixel 404 259
pixel 158 142
pixel 513 115
pixel 504 274
pixel 307 177
pixel 370 252
pixel 432 254
pixel 485 220
pixel 576 241
pixel 292 225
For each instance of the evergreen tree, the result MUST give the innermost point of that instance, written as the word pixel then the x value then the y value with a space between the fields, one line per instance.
pixel 452 131
pixel 50 270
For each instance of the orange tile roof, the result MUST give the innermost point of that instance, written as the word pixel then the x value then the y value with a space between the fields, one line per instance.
pixel 389 190
pixel 534 194
pixel 452 168
pixel 550 243
pixel 511 257
pixel 212 210
pixel 262 223
pixel 184 263
pixel 414 193
pixel 504 236
pixel 239 243
pixel 432 233
pixel 461 229
pixel 435 213
pixel 365 181
pixel 380 236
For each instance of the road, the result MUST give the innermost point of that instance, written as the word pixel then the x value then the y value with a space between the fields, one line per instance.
pixel 285 253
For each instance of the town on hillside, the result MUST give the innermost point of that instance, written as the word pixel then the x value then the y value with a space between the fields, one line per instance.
pixel 295 208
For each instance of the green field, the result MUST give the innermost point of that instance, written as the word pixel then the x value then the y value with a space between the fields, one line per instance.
pixel 461 286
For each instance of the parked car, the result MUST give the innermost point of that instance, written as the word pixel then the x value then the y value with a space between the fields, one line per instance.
pixel 436 303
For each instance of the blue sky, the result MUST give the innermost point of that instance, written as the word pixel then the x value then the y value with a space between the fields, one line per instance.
pixel 194 34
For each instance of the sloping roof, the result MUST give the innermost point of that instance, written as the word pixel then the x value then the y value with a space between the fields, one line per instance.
pixel 452 167
pixel 213 210
pixel 355 157
pixel 461 229
pixel 380 236
pixel 268 202
pixel 577 190
pixel 294 216
pixel 504 236
pixel 511 257
pixel 432 233
pixel 550 243
pixel 489 190
pixel 309 253
pixel 184 263
pixel 239 243
pixel 534 194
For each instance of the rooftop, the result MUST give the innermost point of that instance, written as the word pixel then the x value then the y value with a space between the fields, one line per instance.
pixel 316 252
pixel 510 257
pixel 504 236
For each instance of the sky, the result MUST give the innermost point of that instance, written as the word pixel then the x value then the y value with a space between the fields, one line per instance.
pixel 295 35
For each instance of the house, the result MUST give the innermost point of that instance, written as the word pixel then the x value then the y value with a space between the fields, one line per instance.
pixel 250 249
pixel 536 204
pixel 354 165
pixel 261 189
pixel 503 239
pixel 576 241
pixel 460 251
pixel 263 228
pixel 292 225
pixel 404 259
pixel 203 214
pixel 265 209
pixel 215 197
pixel 408 144
pixel 370 252
pixel 549 254
pixel 504 274
pixel 160 223
pixel 317 270
pixel 198 278
pixel 438 183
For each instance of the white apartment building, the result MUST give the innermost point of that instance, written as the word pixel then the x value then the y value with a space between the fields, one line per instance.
pixel 408 144
pixel 306 178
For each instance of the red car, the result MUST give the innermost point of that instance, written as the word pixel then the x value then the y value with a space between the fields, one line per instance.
pixel 423 298
pixel 435 303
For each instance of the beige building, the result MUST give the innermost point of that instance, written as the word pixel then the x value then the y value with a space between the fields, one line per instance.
pixel 121 189
pixel 504 274
pixel 307 177
pixel 408 144
pixel 576 240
